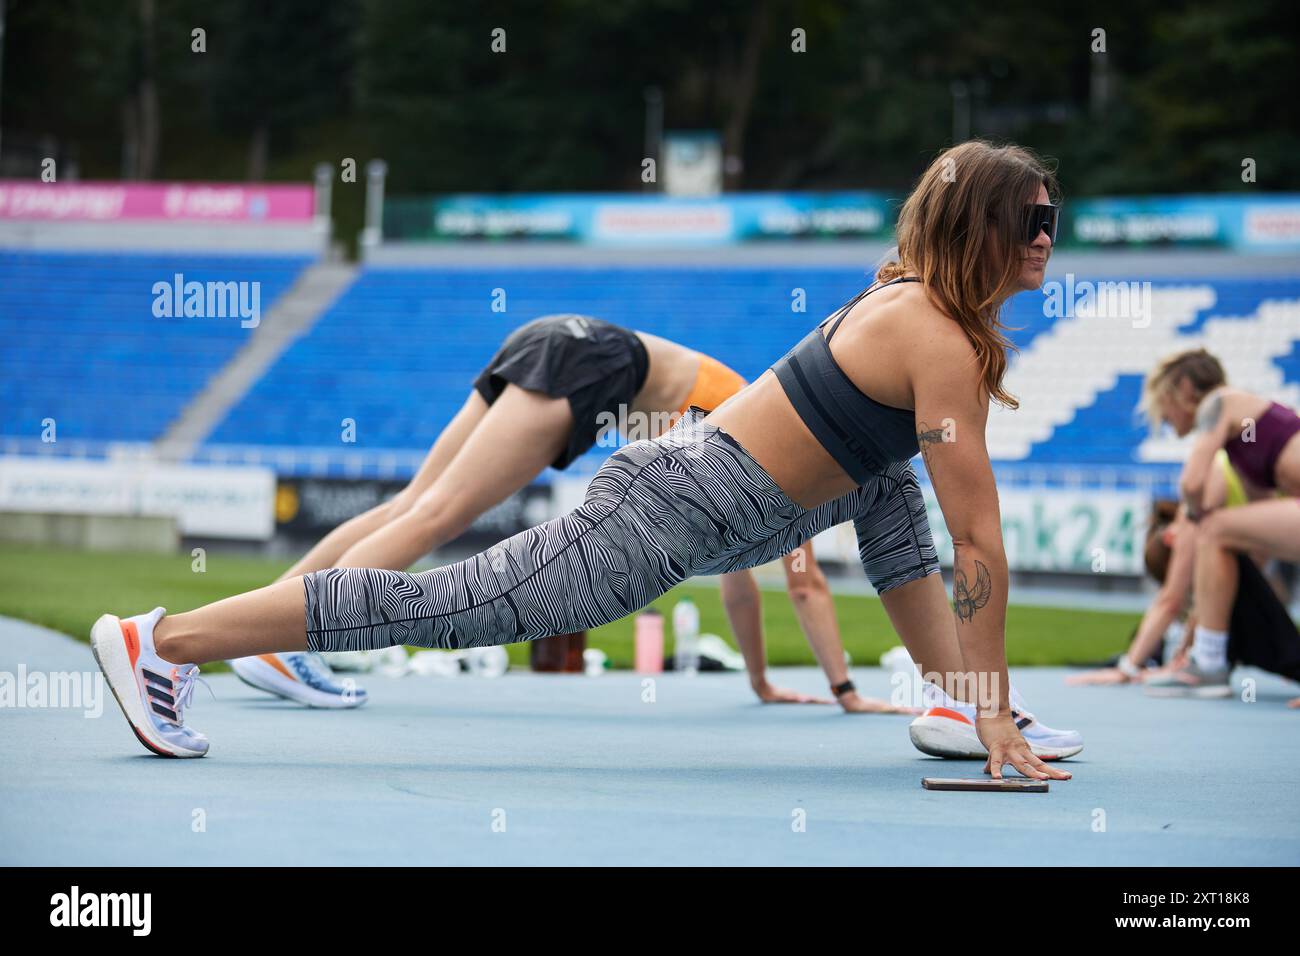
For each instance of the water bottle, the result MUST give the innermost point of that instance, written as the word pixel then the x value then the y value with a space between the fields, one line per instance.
pixel 649 642
pixel 686 633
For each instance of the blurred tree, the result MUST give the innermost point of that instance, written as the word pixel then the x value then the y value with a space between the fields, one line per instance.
pixel 1183 92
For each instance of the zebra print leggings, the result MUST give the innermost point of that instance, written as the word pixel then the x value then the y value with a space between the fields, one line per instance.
pixel 657 512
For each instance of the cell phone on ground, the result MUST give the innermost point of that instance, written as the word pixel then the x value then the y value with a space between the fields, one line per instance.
pixel 1005 785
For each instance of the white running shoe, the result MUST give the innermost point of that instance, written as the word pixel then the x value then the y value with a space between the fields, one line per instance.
pixel 948 730
pixel 300 676
pixel 152 692
pixel 1191 681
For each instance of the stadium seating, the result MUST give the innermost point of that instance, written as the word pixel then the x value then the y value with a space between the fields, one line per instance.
pixel 83 347
pixel 398 351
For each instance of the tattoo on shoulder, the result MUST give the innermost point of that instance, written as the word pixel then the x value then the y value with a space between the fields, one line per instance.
pixel 967 599
pixel 926 437
pixel 1207 415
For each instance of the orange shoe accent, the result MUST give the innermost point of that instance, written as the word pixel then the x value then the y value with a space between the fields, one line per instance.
pixel 132 639
pixel 714 384
pixel 945 712
pixel 277 664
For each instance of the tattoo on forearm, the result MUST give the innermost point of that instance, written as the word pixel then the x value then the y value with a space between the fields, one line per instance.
pixel 926 437
pixel 966 600
pixel 1207 415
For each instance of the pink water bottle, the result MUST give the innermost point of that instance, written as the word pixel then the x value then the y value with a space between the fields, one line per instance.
pixel 649 642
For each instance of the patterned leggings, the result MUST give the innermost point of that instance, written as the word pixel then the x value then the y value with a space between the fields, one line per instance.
pixel 657 512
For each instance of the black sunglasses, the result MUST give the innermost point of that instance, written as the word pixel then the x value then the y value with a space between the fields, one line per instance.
pixel 1041 217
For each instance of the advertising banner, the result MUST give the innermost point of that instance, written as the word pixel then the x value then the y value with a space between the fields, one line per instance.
pixel 206 502
pixel 629 218
pixel 175 202
pixel 1265 223
pixel 1047 529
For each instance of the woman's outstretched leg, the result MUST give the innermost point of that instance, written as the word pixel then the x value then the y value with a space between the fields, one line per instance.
pixel 485 454
pixel 638 533
pixel 264 621
pixel 629 542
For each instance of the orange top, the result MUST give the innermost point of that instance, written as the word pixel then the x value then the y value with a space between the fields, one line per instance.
pixel 714 384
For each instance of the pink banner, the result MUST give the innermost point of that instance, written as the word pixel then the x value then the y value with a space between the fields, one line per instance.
pixel 175 202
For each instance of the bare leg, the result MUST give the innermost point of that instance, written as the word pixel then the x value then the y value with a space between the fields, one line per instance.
pixel 920 614
pixel 330 548
pixel 516 439
pixel 521 433
pixel 1271 527
pixel 259 622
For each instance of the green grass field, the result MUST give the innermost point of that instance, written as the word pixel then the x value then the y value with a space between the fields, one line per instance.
pixel 67 590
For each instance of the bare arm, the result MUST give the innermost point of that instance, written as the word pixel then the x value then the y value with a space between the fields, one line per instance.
pixel 957 461
pixel 951 414
pixel 743 603
pixel 1172 596
pixel 1211 431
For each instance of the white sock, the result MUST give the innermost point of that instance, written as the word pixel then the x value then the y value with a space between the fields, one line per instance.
pixel 1210 649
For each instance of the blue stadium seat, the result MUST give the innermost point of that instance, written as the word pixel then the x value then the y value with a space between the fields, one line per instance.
pixel 398 352
pixel 82 345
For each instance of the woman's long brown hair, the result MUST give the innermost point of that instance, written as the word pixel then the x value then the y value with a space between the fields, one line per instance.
pixel 960 232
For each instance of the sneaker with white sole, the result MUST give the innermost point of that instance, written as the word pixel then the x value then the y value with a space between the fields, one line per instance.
pixel 153 693
pixel 1191 681
pixel 950 732
pixel 300 676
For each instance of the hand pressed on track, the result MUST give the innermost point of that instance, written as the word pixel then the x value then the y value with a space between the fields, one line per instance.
pixel 1003 741
pixel 1103 676
pixel 771 694
pixel 855 703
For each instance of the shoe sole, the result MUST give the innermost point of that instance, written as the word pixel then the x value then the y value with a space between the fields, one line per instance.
pixel 263 677
pixel 936 737
pixel 109 648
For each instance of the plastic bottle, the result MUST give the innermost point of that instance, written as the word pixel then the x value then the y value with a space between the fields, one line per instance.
pixel 649 642
pixel 686 633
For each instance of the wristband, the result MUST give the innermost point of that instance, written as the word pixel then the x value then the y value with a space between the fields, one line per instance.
pixel 1128 668
pixel 841 689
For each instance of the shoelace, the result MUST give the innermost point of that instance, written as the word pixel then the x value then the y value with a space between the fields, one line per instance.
pixel 322 677
pixel 183 689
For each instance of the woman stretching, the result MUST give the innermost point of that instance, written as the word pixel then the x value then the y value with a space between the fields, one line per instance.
pixel 1260 633
pixel 1190 392
pixel 550 393
pixel 824 436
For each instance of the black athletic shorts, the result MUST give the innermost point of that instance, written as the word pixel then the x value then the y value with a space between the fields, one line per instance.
pixel 1261 632
pixel 597 366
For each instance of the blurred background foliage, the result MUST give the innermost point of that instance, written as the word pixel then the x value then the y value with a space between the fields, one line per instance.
pixel 1185 90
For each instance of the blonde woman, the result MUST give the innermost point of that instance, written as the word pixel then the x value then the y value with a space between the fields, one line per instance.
pixel 1189 391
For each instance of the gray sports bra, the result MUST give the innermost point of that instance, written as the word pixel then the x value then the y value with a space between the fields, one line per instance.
pixel 860 433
